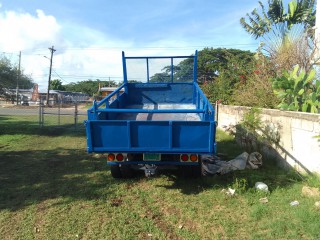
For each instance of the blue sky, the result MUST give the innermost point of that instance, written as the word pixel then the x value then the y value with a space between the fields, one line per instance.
pixel 90 35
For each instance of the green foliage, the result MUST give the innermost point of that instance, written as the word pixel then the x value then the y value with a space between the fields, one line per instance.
pixel 298 91
pixel 243 79
pixel 213 61
pixel 56 84
pixel 89 87
pixel 231 68
pixel 253 133
pixel 9 75
pixel 257 90
pixel 240 185
pixel 252 120
pixel 299 12
pixel 182 72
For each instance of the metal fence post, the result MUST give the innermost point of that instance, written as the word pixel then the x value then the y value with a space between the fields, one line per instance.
pixel 59 106
pixel 75 115
pixel 40 113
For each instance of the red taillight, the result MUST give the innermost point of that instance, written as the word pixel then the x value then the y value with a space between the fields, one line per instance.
pixel 193 158
pixel 184 157
pixel 111 157
pixel 119 157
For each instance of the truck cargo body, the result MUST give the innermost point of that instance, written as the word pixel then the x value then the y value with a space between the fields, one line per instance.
pixel 158 116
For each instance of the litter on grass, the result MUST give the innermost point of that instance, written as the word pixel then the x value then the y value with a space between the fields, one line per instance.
pixel 214 165
pixel 261 186
pixel 229 192
pixel 294 203
pixel 264 200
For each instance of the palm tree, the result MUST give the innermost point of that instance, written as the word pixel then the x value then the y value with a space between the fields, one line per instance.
pixel 287 39
pixel 299 12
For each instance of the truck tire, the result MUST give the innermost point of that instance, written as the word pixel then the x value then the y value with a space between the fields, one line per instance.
pixel 115 171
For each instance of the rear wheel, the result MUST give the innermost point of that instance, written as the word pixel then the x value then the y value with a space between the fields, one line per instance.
pixel 115 171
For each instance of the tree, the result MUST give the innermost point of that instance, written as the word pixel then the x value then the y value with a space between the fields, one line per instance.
pixel 160 77
pixel 211 61
pixel 9 77
pixel 299 12
pixel 257 90
pixel 89 87
pixel 56 84
pixel 225 68
pixel 182 72
pixel 287 36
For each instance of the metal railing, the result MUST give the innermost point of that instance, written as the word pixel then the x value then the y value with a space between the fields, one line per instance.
pixel 63 114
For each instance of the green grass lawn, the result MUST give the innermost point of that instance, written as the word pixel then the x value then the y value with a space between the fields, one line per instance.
pixel 50 188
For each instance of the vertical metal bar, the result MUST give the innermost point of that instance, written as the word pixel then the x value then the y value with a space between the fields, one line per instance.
pixel 59 105
pixel 125 79
pixel 129 134
pixel 89 138
pixel 198 99
pixel 194 93
pixel 40 113
pixel 211 137
pixel 171 69
pixel 195 65
pixel 170 135
pixel 147 59
pixel 75 115
pixel 216 117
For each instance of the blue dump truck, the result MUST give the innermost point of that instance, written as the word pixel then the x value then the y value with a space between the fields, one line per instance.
pixel 157 119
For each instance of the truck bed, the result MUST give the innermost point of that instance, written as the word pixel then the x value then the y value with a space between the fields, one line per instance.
pixel 160 116
pixel 161 111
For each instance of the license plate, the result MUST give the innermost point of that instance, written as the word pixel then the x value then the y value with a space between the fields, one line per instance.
pixel 151 157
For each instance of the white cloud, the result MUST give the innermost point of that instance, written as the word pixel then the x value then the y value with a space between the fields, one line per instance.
pixel 21 31
pixel 82 52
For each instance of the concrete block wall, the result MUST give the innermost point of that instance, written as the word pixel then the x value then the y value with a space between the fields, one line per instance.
pixel 298 146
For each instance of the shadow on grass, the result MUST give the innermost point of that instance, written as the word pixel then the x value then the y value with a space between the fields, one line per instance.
pixel 28 177
pixel 29 125
pixel 32 176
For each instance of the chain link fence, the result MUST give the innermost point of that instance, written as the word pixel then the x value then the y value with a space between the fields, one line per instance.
pixel 59 115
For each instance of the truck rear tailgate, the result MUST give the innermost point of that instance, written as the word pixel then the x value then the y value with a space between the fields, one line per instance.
pixel 150 136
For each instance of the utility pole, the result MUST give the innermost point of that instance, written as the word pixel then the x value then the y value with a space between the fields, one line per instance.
pixel 18 78
pixel 52 50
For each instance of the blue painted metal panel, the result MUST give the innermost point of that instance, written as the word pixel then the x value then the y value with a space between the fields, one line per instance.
pixel 150 136
pixel 111 134
pixel 192 135
pixel 164 93
pixel 105 133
